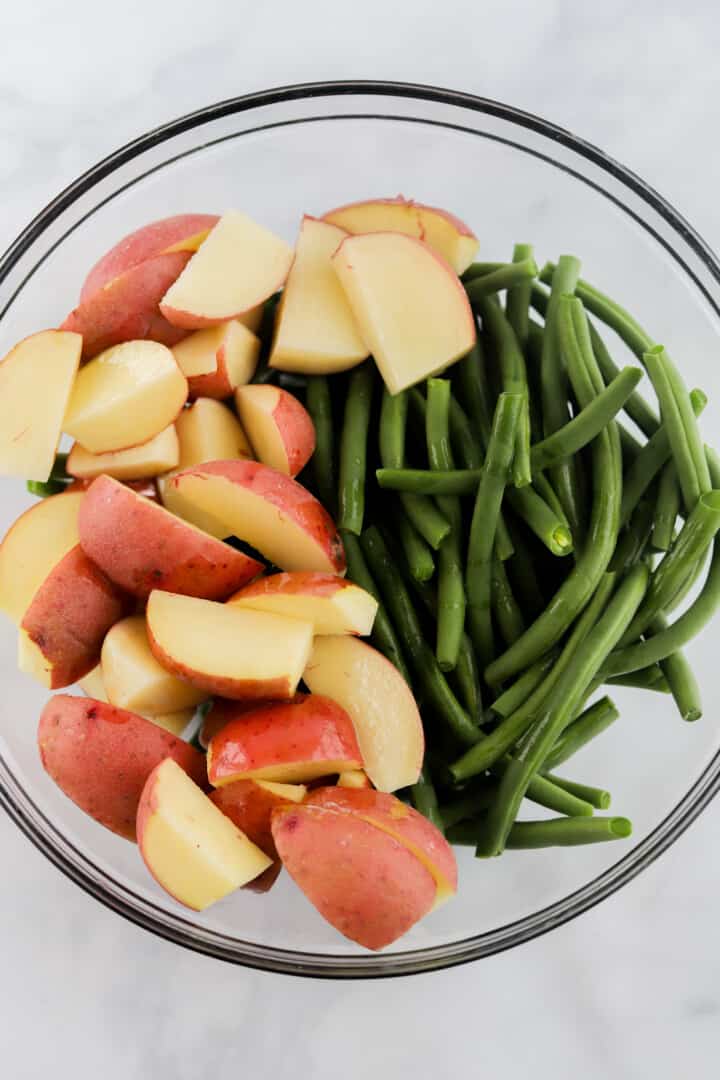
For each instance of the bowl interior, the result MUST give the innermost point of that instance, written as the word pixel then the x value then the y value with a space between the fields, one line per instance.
pixel 278 157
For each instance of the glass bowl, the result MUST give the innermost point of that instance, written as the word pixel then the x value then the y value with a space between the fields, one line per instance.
pixel 513 177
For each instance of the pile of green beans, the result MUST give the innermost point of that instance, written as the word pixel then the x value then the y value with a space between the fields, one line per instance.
pixel 528 523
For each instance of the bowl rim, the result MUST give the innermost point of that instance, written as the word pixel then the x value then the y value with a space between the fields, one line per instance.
pixel 98 883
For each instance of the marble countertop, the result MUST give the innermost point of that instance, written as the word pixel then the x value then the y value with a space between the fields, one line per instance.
pixel 631 989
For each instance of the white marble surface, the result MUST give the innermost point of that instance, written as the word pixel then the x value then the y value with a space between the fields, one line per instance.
pixel 633 988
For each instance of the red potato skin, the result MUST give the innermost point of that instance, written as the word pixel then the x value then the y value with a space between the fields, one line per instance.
pixel 214 384
pixel 146 488
pixel 400 200
pixel 292 417
pixel 141 546
pixel 286 494
pixel 294 583
pixel 392 814
pixel 250 807
pixel 241 690
pixel 101 757
pixel 363 881
pixel 70 615
pixel 141 245
pixel 222 712
pixel 310 728
pixel 127 310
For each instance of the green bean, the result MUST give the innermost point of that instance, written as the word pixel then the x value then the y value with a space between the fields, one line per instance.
pixel 633 540
pixel 522 568
pixel 592 722
pixel 666 509
pixel 422 658
pixel 553 388
pixel 651 459
pixel 559 709
pixel 636 406
pixel 517 302
pixel 42 489
pixel 353 449
pixel 383 634
pixel 451 590
pixel 464 442
pixel 555 832
pixel 519 691
pixel 650 678
pixel 547 493
pixel 670 575
pixel 587 424
pixel 514 381
pixel 680 678
pixel 679 422
pixel 424 799
pixel 541 519
pixel 466 679
pixel 597 797
pixel 546 793
pixel 475 392
pixel 591 564
pixel 504 276
pixel 467 806
pixel 427 521
pixel 505 608
pixel 417 553
pixel 607 310
pixel 629 445
pixel 488 501
pixel 506 734
pixel 319 405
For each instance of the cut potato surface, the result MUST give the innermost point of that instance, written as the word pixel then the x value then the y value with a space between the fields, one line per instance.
pixel 279 427
pixel 409 303
pixel 217 360
pixel 189 846
pixel 270 511
pixel 239 266
pixel 440 230
pixel 125 397
pixel 149 459
pixel 93 685
pixel 36 380
pixel 134 679
pixel 315 330
pixel 380 703
pixel 331 603
pixel 33 545
pixel 226 650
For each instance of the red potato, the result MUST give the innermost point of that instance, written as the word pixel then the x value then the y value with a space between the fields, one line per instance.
pixel 440 230
pixel 409 304
pixel 147 460
pixel 366 883
pixel 315 331
pixel 127 308
pixel 93 684
pixel 62 631
pixel 221 714
pixel 355 778
pixel 237 268
pixel 146 488
pixel 133 678
pixel 249 805
pixel 190 847
pixel 331 603
pixel 402 822
pixel 279 427
pixel 289 742
pixel 143 547
pixel 125 396
pixel 380 703
pixel 32 546
pixel 101 757
pixel 30 417
pixel 217 360
pixel 273 513
pixel 226 651
pixel 183 232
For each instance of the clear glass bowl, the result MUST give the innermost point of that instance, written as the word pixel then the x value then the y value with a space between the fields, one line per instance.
pixel 513 177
